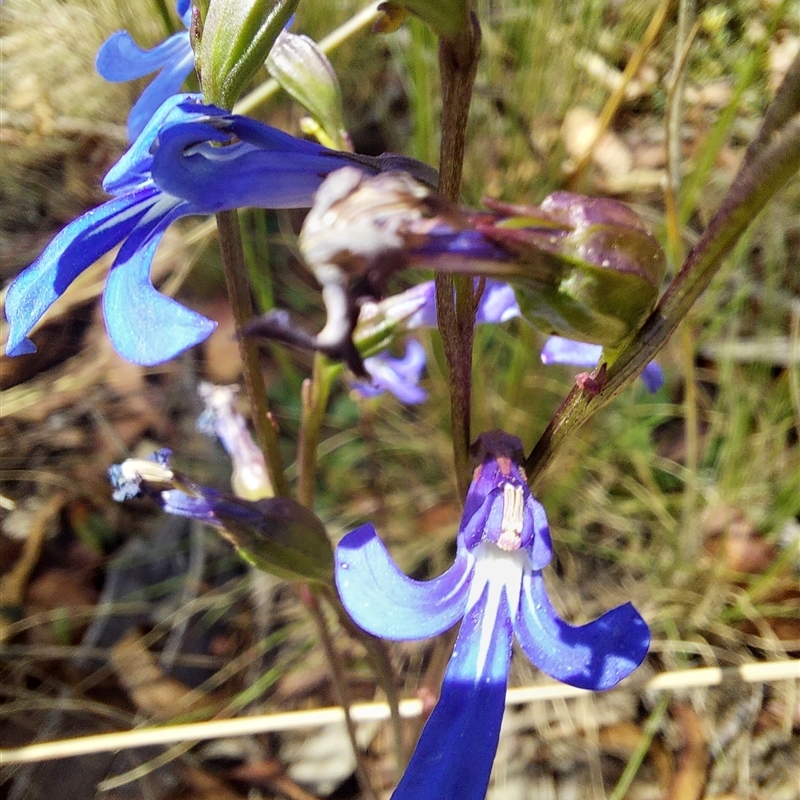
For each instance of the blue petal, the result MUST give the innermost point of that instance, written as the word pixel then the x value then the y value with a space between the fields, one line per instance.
pixel 74 249
pixel 454 755
pixel 217 178
pixel 558 350
pixel 134 167
pixel 184 9
pixel 400 376
pixel 386 602
pixel 497 304
pixel 593 656
pixel 145 326
pixel 161 88
pixel 652 377
pixel 121 59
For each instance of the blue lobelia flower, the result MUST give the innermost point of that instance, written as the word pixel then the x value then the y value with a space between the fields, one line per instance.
pixel 558 350
pixel 400 376
pixel 497 589
pixel 416 308
pixel 121 59
pixel 172 170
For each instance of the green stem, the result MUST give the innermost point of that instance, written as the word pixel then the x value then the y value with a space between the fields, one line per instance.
pixel 233 262
pixel 455 301
pixel 315 394
pixel 378 655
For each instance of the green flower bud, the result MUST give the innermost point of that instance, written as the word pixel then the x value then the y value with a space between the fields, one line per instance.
pixel 586 268
pixel 286 539
pixel 237 36
pixel 307 75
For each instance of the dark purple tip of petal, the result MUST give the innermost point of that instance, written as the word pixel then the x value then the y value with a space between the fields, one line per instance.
pixel 594 656
pixel 495 455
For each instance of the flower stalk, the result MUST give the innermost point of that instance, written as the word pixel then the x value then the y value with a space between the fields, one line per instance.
pixel 241 302
pixel 455 300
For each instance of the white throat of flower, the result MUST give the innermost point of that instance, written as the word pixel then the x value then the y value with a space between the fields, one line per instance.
pixel 500 571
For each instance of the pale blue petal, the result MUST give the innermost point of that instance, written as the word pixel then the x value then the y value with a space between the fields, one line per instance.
pixel 497 304
pixel 184 9
pixel 121 59
pixel 400 376
pixel 145 326
pixel 386 602
pixel 594 656
pixel 73 250
pixel 161 88
pixel 454 755
pixel 558 350
pixel 652 377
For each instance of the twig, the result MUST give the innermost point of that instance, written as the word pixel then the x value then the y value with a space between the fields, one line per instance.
pixel 755 672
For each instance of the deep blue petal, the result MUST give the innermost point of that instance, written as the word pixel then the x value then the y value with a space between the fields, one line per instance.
pixel 454 755
pixel 161 88
pixel 145 326
pixel 594 656
pixel 217 178
pixel 652 377
pixel 74 249
pixel 134 167
pixel 184 9
pixel 121 59
pixel 386 602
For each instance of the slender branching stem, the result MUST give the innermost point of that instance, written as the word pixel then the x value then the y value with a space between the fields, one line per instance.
pixel 233 263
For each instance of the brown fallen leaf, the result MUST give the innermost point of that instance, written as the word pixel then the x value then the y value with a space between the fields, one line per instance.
pixel 153 692
pixel 690 777
pixel 13 584
pixel 622 739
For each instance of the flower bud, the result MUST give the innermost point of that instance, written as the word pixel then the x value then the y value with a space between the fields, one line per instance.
pixel 236 38
pixel 306 74
pixel 587 268
pixel 276 535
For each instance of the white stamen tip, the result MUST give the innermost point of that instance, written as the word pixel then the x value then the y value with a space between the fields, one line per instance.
pixel 513 516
